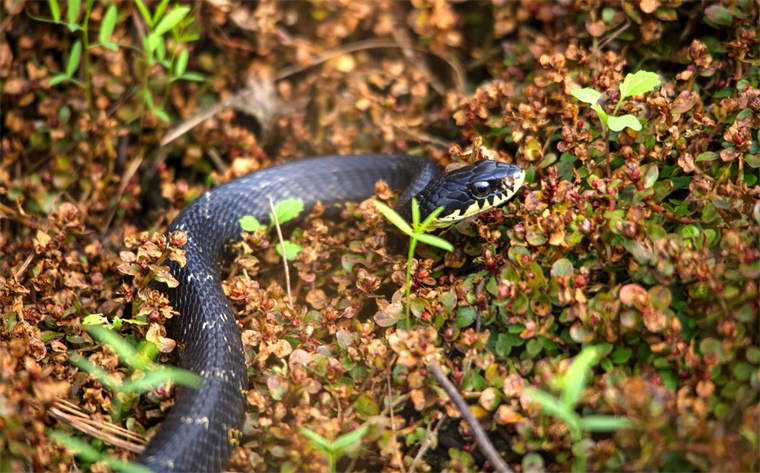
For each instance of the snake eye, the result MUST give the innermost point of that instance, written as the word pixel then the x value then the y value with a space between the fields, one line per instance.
pixel 481 188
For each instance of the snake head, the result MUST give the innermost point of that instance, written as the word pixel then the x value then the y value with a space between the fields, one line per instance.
pixel 469 190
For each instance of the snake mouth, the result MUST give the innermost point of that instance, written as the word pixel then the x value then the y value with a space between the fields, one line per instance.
pixel 468 191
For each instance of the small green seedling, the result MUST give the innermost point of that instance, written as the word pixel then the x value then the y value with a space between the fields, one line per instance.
pixel 286 210
pixel 634 84
pixel 89 454
pixel 162 21
pixel 416 233
pixel 147 375
pixel 151 373
pixel 570 385
pixel 333 451
pixel 176 20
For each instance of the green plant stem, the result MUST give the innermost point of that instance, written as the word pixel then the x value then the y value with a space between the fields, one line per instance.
pixel 412 247
pixel 614 112
pixel 607 150
pixel 170 78
pixel 86 48
pixel 332 463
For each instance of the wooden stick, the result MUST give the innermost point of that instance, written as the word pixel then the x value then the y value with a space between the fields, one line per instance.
pixel 484 443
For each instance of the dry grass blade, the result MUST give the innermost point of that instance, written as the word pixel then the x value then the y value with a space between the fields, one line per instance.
pixel 105 431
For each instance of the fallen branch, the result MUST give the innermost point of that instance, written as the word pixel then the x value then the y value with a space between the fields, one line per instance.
pixel 484 443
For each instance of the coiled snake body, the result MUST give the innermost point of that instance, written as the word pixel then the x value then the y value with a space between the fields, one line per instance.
pixel 198 433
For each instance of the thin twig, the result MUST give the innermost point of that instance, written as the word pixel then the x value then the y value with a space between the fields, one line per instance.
pixel 484 443
pixel 668 214
pixel 614 35
pixel 217 160
pixel 399 460
pixel 24 266
pixel 427 442
pixel 284 257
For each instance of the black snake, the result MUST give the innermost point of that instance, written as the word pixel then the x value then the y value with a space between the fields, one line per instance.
pixel 199 432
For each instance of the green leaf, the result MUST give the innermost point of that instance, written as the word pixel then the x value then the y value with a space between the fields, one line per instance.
pixel 752 160
pixel 562 267
pixel 192 76
pixel 58 78
pixel 249 223
pixel 628 120
pixel 365 407
pixel 123 350
pixel 148 97
pixel 110 45
pixel 429 220
pixel 719 15
pixel 91 455
pixel 72 12
pixel 638 83
pixel 181 66
pixel 706 156
pixel 651 175
pixel 288 209
pixel 55 10
pixel 94 319
pixel 415 213
pixel 161 113
pixel 466 316
pixel 352 437
pixel 574 380
pixel 160 48
pixel 152 41
pixel 145 13
pixel 108 24
pixel 188 37
pixel 533 347
pixel 154 377
pixel 291 249
pixel 587 95
pixel 171 19
pixel 160 10
pixel 594 423
pixel 74 57
pixel 435 241
pixel 319 441
pixel 394 217
pixel 118 322
pixel 621 355
pixel 551 406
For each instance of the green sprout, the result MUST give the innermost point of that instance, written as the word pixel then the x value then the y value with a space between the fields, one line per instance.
pixel 160 22
pixel 571 386
pixel 416 233
pixel 89 454
pixel 285 210
pixel 333 451
pixel 634 84
pixel 147 375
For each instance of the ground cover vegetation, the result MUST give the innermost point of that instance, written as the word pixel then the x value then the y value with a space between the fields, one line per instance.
pixel 606 319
